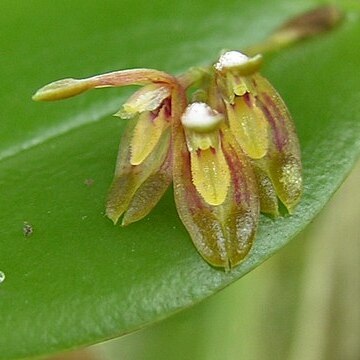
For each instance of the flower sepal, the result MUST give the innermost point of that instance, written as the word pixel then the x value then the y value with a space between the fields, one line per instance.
pixel 136 189
pixel 215 192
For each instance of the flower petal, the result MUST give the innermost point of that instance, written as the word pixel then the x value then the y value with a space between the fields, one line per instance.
pixel 222 234
pixel 129 178
pixel 285 172
pixel 267 194
pixel 147 133
pixel 210 174
pixel 283 158
pixel 148 98
pixel 249 126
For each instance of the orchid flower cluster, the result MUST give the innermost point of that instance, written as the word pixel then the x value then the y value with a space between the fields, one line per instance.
pixel 222 135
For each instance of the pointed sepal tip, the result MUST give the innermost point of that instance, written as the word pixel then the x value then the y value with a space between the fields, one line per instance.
pixel 62 89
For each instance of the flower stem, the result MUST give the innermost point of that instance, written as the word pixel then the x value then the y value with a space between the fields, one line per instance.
pixel 303 26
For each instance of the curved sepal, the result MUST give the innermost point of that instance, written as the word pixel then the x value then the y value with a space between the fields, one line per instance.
pixel 65 88
pixel 283 160
pixel 266 190
pixel 130 181
pixel 150 192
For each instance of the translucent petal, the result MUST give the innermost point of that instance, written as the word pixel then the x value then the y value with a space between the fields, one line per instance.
pixel 285 172
pixel 249 126
pixel 222 234
pixel 148 98
pixel 267 194
pixel 128 178
pixel 150 192
pixel 146 135
pixel 283 160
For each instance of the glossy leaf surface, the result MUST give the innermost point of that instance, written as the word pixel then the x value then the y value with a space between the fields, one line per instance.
pixel 78 279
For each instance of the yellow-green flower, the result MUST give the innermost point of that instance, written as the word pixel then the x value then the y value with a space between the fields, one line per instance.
pixel 228 144
pixel 143 167
pixel 263 127
pixel 228 155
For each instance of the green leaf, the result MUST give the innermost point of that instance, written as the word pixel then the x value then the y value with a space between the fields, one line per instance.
pixel 78 279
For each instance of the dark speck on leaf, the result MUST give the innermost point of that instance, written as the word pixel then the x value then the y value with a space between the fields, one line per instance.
pixel 27 229
pixel 89 182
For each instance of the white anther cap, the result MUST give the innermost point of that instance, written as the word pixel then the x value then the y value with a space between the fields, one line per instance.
pixel 200 117
pixel 231 59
